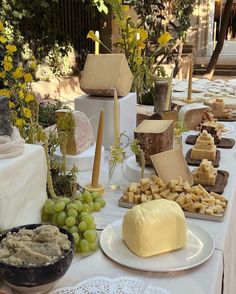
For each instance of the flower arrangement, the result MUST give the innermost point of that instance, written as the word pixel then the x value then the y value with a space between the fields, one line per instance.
pixel 15 83
pixel 144 59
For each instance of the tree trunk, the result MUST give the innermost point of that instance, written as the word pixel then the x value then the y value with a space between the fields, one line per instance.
pixel 220 42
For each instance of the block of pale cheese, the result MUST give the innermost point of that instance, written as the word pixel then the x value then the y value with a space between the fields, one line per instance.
pixel 219 109
pixel 104 72
pixel 205 174
pixel 154 227
pixel 204 147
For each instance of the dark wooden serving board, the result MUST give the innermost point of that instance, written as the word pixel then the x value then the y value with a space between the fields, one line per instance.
pixel 221 182
pixel 228 119
pixel 226 143
pixel 196 162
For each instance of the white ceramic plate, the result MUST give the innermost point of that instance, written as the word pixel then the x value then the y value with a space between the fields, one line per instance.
pixel 199 248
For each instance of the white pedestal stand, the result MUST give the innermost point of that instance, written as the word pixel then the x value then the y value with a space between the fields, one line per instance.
pixel 82 161
pixel 132 170
pixel 92 105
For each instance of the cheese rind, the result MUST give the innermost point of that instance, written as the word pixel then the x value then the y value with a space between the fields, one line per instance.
pixel 154 227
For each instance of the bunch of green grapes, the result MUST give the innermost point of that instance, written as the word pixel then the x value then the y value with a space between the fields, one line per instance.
pixel 74 214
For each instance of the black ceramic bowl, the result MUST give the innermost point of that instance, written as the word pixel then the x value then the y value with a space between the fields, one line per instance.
pixel 34 276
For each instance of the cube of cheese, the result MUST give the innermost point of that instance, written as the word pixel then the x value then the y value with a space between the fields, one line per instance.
pixel 154 227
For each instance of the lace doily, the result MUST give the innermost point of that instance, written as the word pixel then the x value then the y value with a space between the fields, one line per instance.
pixel 101 285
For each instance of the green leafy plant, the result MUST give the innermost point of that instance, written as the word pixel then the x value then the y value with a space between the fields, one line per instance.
pixel 136 149
pixel 144 50
pixel 47 112
pixel 100 4
pixel 158 16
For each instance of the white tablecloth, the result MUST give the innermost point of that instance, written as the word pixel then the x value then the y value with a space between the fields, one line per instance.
pixel 223 233
pixel 22 179
pixel 206 278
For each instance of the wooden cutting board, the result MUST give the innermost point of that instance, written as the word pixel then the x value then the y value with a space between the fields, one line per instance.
pixel 196 162
pixel 221 182
pixel 225 143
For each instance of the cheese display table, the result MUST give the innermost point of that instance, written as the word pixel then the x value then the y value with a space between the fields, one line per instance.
pixel 208 277
pixel 22 187
pixel 202 279
pixel 205 90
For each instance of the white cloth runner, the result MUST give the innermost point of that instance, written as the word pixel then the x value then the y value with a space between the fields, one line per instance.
pixel 102 285
pixel 11 146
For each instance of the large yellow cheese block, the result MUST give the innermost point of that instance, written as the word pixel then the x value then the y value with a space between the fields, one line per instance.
pixel 104 72
pixel 154 227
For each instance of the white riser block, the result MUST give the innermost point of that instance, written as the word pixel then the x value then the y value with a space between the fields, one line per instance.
pixel 82 161
pixel 132 170
pixel 92 105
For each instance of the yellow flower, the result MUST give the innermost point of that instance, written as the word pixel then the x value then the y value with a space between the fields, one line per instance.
pixel 21 94
pixel 141 37
pixel 2 74
pixel 143 34
pixel 3 39
pixel 11 48
pixel 140 44
pixel 33 64
pixel 1 26
pixel 11 104
pixel 23 86
pixel 6 82
pixel 19 122
pixel 5 92
pixel 7 63
pixel 29 97
pixel 18 73
pixel 91 35
pixel 28 78
pixel 27 112
pixel 126 8
pixel 164 38
pixel 7 66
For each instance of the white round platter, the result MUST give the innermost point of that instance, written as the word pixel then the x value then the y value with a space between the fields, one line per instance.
pixel 199 248
pixel 197 90
pixel 214 90
pixel 179 89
